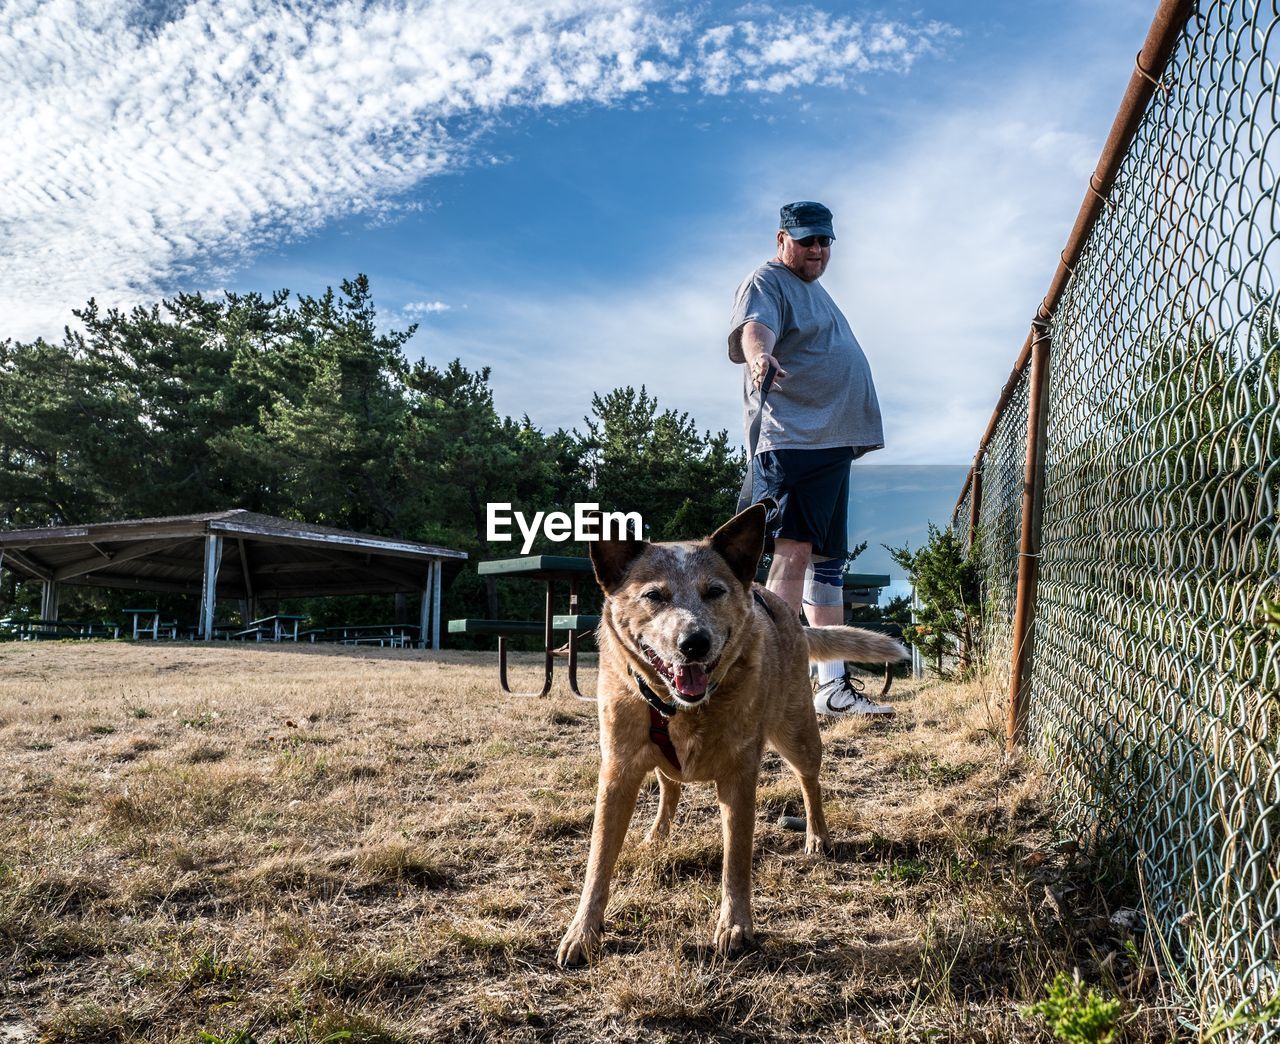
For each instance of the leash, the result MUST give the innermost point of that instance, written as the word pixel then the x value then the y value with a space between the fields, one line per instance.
pixel 656 703
pixel 746 497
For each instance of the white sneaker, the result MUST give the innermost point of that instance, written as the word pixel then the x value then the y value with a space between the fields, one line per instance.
pixel 844 696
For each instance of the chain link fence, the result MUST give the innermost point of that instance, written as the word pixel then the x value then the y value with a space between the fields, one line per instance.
pixel 999 522
pixel 1153 691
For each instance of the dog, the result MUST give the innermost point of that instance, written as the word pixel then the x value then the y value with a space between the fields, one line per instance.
pixel 699 669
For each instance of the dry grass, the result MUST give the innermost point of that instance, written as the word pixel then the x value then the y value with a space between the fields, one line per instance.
pixel 295 842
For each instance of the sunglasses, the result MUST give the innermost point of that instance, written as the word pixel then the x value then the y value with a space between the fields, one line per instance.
pixel 808 241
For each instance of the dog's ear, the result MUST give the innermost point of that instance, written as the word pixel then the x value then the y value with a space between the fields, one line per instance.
pixel 612 558
pixel 740 542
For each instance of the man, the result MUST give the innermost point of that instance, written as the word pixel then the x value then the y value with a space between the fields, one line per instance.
pixel 820 414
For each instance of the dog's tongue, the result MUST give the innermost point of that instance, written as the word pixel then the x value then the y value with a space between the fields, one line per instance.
pixel 691 679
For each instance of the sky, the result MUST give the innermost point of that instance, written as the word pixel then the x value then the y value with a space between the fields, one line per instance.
pixel 568 192
pixel 891 506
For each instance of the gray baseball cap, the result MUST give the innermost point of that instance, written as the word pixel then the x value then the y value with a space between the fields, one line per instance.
pixel 806 218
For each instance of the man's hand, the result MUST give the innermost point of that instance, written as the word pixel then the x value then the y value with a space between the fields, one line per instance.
pixel 761 365
pixel 757 347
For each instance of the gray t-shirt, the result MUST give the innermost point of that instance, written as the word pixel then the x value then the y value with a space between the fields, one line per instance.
pixel 828 398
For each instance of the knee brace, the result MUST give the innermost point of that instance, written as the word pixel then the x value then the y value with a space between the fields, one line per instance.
pixel 824 581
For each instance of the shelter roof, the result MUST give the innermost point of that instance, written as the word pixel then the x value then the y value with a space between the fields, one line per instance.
pixel 262 556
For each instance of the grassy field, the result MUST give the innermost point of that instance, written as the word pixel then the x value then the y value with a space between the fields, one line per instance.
pixel 290 844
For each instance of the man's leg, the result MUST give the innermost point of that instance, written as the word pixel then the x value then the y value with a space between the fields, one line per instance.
pixel 824 604
pixel 789 574
pixel 836 691
pixel 824 615
pixel 786 574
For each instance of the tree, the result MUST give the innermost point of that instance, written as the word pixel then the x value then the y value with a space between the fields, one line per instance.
pixel 46 422
pixel 683 484
pixel 949 619
pixel 464 456
pixel 330 434
pixel 301 407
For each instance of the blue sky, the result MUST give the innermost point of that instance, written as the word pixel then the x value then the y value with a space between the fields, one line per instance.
pixel 891 505
pixel 568 192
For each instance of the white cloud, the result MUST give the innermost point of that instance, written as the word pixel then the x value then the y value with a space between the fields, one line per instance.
pixel 548 353
pixel 145 143
pixel 952 242
pixel 417 309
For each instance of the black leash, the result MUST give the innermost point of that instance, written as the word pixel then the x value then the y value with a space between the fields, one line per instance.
pixel 747 495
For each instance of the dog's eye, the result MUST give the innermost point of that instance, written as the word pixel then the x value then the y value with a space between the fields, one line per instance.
pixel 653 595
pixel 715 592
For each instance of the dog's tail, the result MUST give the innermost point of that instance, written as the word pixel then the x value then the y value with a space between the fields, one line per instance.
pixel 853 643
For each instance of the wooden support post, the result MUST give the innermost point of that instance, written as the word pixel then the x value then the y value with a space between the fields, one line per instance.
pixel 49 594
pixel 249 612
pixel 209 588
pixel 424 611
pixel 437 583
pixel 1029 543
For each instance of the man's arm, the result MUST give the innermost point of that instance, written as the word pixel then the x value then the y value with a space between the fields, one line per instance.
pixel 756 342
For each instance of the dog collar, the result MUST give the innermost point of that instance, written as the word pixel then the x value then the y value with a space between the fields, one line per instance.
pixel 656 703
pixel 659 711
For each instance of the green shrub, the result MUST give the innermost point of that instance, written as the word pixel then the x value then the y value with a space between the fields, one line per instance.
pixel 1076 1013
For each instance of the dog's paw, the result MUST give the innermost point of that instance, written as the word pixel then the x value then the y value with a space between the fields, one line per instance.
pixel 576 946
pixel 733 940
pixel 820 847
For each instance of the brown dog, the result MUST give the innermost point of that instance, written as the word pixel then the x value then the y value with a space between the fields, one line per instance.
pixel 698 671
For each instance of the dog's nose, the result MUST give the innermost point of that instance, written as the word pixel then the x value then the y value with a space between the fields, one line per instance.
pixel 695 645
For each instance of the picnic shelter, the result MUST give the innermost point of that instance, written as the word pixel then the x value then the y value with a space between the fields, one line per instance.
pixel 234 554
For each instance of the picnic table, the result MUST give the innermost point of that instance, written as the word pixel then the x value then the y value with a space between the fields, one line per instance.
pixel 549 570
pixel 27 628
pixel 397 636
pixel 274 628
pixel 153 626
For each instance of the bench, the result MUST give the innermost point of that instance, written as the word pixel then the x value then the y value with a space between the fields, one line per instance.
pixel 395 641
pixel 38 629
pixel 578 622
pixel 569 622
pixel 575 623
pixel 398 636
pixel 102 629
pixel 469 626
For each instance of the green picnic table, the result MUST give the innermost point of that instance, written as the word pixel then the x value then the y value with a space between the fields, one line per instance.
pixel 549 570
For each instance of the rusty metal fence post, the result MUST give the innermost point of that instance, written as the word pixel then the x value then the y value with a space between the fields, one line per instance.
pixel 1029 539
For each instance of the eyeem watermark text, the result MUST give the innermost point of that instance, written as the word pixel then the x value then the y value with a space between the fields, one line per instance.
pixel 558 526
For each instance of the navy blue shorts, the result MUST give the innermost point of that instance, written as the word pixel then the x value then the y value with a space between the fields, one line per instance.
pixel 812 491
